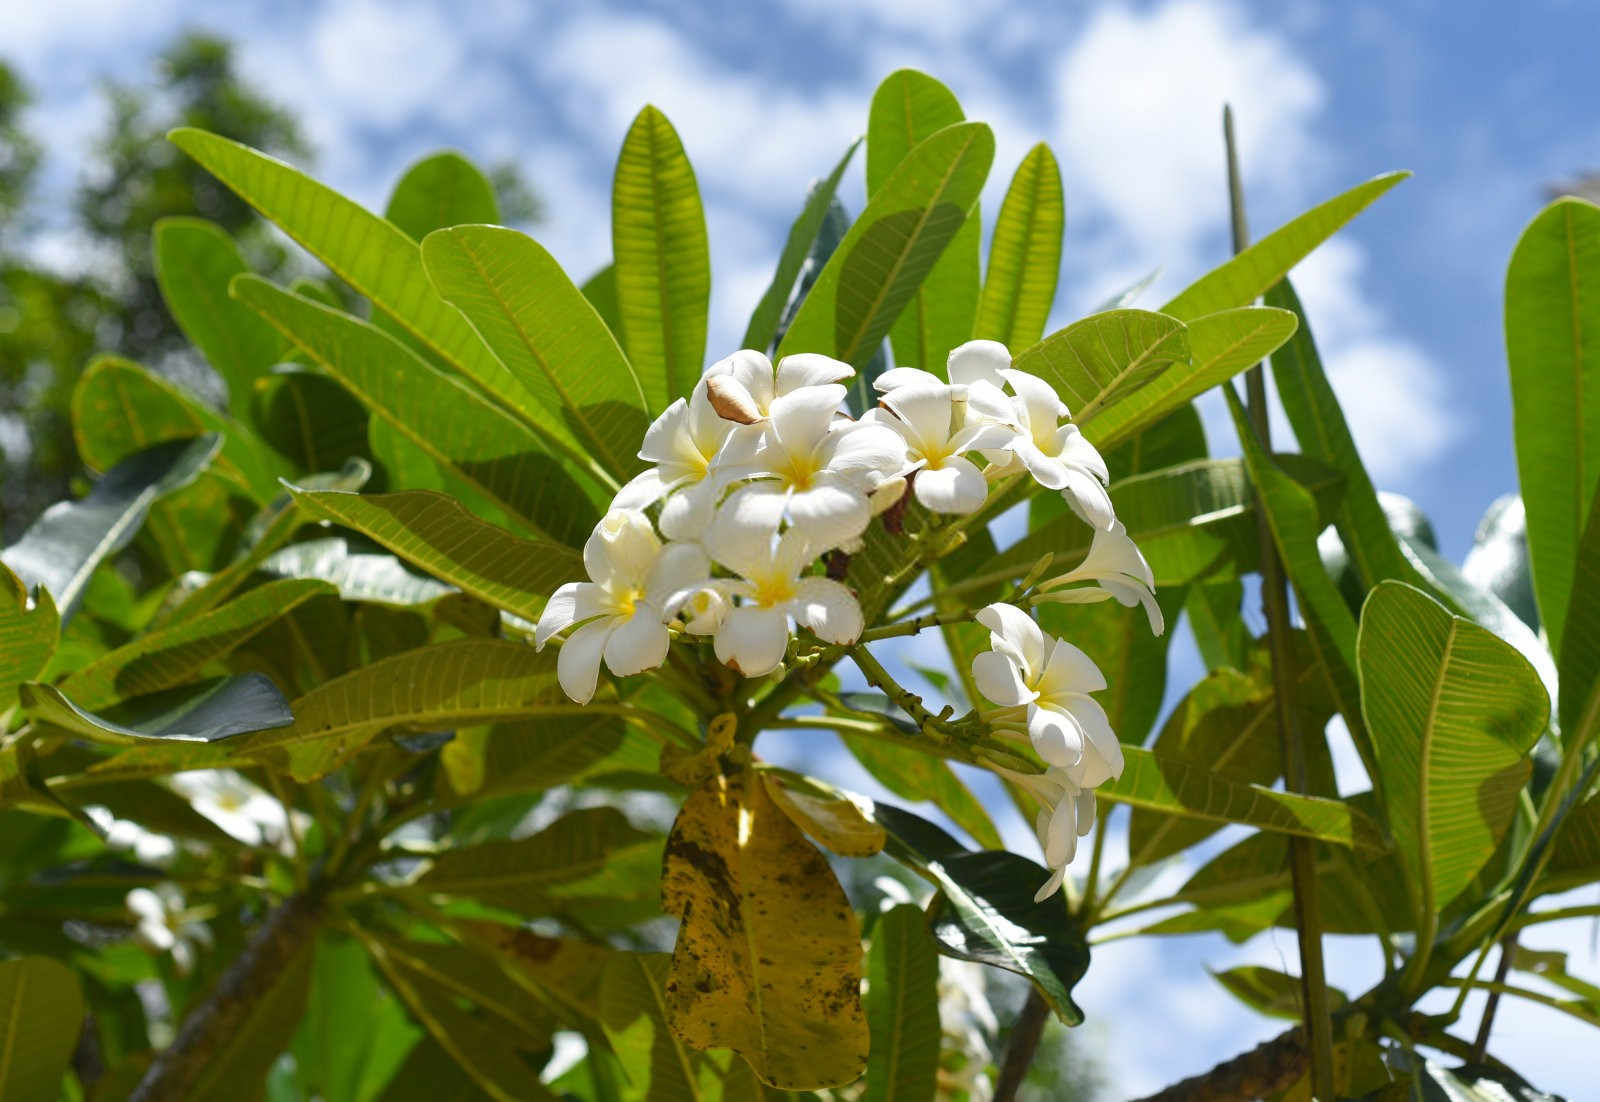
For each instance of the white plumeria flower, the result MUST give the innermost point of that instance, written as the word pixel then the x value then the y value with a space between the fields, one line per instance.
pixel 754 635
pixel 932 420
pixel 683 444
pixel 748 384
pixel 121 834
pixel 635 585
pixel 1051 679
pixel 1058 456
pixel 810 470
pixel 1067 813
pixel 1117 569
pixel 239 807
pixel 159 929
pixel 975 365
pixel 705 611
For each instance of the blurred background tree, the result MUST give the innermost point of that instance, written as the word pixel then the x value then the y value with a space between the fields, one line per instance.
pixel 52 323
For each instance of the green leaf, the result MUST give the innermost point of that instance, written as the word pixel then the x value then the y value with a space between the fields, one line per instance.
pixel 1025 255
pixel 1553 347
pixel 432 688
pixel 986 911
pixel 27 635
pixel 244 1056
pixel 663 264
pixel 466 435
pixel 1175 786
pixel 367 252
pixel 480 1051
pixel 1213 611
pixel 1220 345
pixel 233 706
pixel 443 189
pixel 1452 712
pixel 480 979
pixel 633 1013
pixel 1248 274
pixel 903 1008
pixel 785 996
pixel 195 259
pixel 1320 427
pixel 911 775
pixel 1579 694
pixel 592 854
pixel 544 330
pixel 1096 362
pixel 891 248
pixel 1193 521
pixel 1269 991
pixel 62 548
pixel 356 575
pixel 763 327
pixel 310 420
pixel 354 1033
pixel 601 291
pixel 177 653
pixel 533 755
pixel 41 1016
pixel 435 533
pixel 908 108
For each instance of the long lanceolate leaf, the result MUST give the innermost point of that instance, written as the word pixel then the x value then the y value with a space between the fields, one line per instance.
pixel 63 546
pixel 27 634
pixel 1553 345
pixel 907 108
pixel 1220 346
pixel 663 264
pixel 234 706
pixel 442 189
pixel 435 533
pixel 1025 255
pixel 371 254
pixel 903 1008
pixel 893 245
pixel 466 435
pixel 41 1019
pixel 1579 694
pixel 802 234
pixel 1095 362
pixel 1247 276
pixel 543 329
pixel 1452 711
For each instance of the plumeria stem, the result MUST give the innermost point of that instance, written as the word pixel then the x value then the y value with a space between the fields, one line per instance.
pixel 912 627
pixel 908 701
pixel 1275 598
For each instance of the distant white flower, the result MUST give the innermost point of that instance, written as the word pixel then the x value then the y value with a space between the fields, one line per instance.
pixel 1117 569
pixel 932 420
pixel 240 808
pixel 1058 456
pixel 1066 814
pixel 683 443
pixel 160 929
pixel 809 470
pixel 635 585
pixel 773 590
pixel 1049 680
pixel 146 847
pixel 748 383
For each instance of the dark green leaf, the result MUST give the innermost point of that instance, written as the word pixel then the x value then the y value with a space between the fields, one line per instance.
pixel 41 1016
pixel 233 706
pixel 903 1008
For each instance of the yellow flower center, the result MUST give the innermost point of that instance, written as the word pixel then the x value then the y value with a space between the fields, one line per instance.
pixel 799 471
pixel 773 590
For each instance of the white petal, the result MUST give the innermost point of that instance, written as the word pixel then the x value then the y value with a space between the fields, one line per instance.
pixel 1086 812
pixel 1102 758
pixel 987 402
pixel 1068 670
pixel 662 440
pixel 1087 497
pixel 1017 628
pixel 829 514
pixel 1044 407
pixel 955 487
pixel 573 603
pixel 740 536
pixel 793 552
pixel 810 369
pixel 1051 886
pixel 981 436
pixel 1062 831
pixel 752 640
pixel 753 370
pixel 800 418
pixel 1056 736
pixel 705 611
pixel 978 361
pixel 1074 448
pixel 926 411
pixel 680 569
pixel 999 680
pixel 707 430
pixel 578 664
pixel 1048 472
pixel 644 488
pixel 686 514
pixel 829 609
pixel 889 491
pixel 897 377
pixel 638 643
pixel 621 550
pixel 867 453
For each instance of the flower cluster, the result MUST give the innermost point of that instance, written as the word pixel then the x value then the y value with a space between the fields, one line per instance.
pixel 760 472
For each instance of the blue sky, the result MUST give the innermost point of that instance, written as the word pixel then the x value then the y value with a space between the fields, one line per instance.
pixel 1486 103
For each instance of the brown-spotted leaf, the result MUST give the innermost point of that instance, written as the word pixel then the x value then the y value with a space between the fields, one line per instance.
pixel 768 959
pixel 836 822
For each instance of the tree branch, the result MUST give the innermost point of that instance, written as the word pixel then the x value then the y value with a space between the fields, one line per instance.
pixel 1021 1046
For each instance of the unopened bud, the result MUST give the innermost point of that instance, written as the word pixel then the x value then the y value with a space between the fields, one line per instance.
pixel 731 400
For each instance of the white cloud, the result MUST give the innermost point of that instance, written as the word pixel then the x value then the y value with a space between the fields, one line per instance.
pixel 384 63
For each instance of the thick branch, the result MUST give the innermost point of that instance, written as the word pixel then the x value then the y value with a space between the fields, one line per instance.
pixel 1263 1071
pixel 1021 1046
pixel 219 1018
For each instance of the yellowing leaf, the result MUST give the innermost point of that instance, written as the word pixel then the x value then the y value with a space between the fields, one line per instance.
pixel 745 974
pixel 837 823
